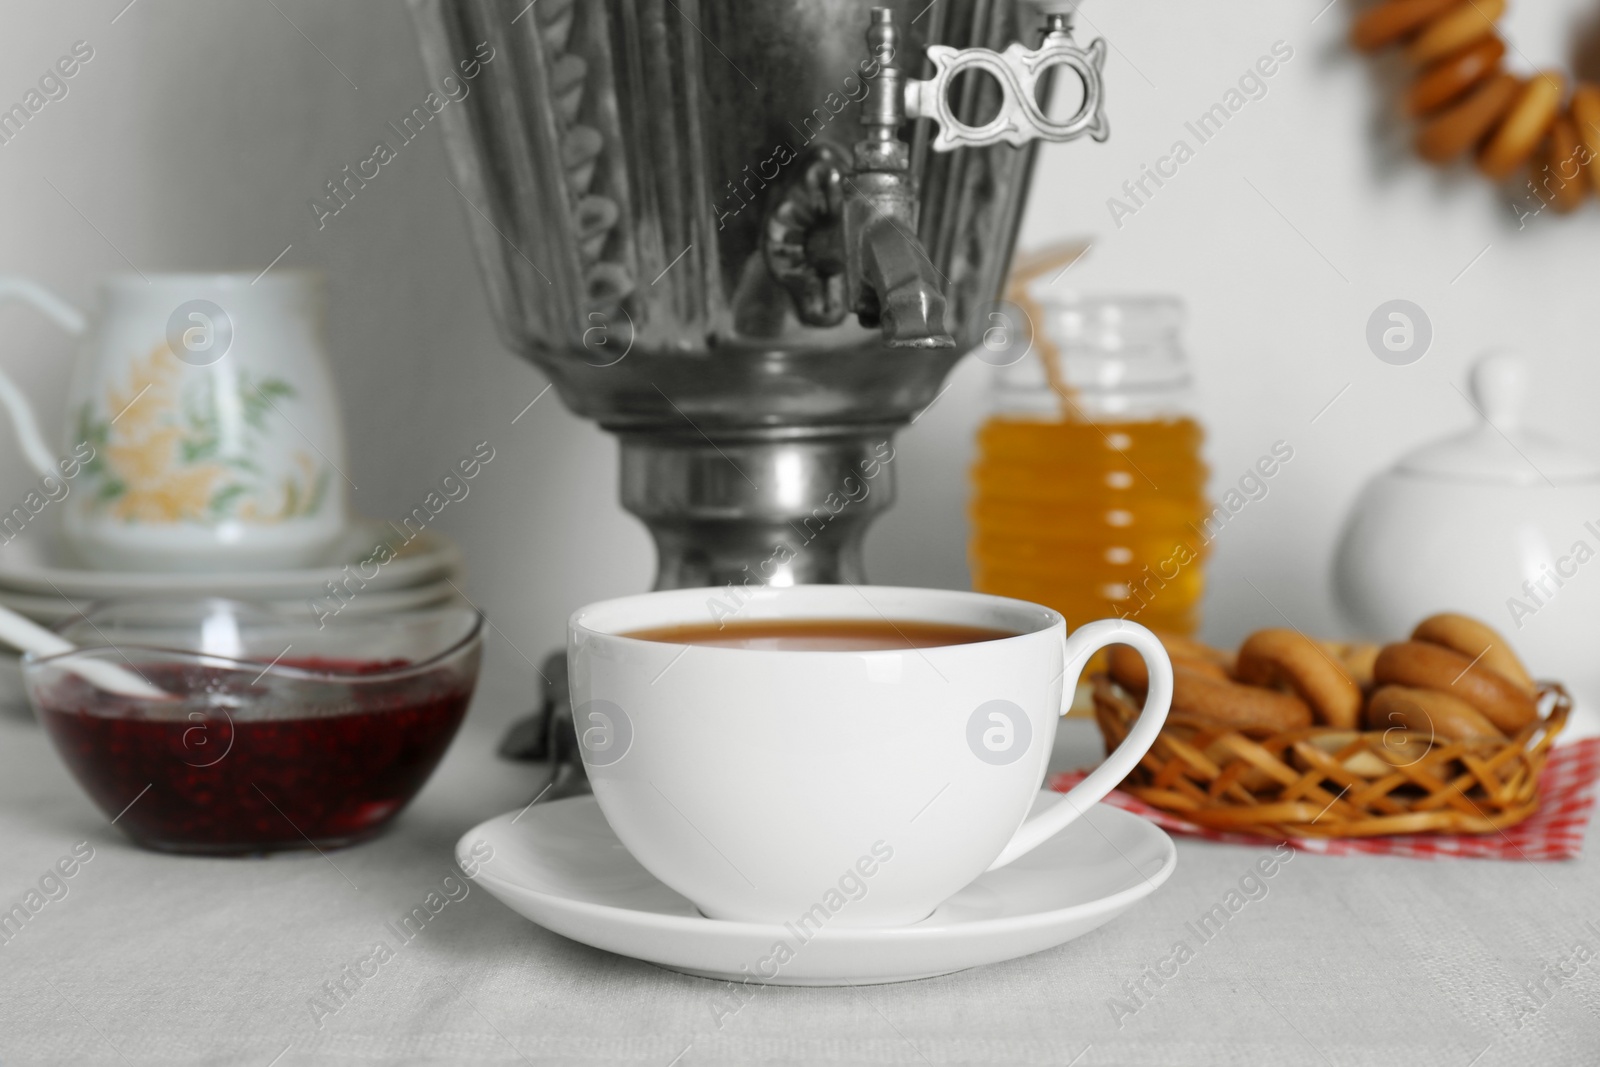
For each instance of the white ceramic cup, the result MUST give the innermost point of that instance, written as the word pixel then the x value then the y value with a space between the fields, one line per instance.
pixel 835 788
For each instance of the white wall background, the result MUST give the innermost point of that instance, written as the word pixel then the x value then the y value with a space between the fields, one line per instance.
pixel 197 134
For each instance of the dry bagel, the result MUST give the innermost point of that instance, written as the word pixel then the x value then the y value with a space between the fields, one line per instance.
pixel 1478 641
pixel 1128 670
pixel 1423 665
pixel 1285 658
pixel 1240 706
pixel 1428 711
pixel 1447 81
pixel 1358 658
pixel 1466 24
pixel 1187 647
pixel 1391 21
pixel 1524 125
pixel 1458 128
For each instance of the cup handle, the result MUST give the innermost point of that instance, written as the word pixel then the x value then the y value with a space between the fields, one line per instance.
pixel 1083 643
pixel 64 315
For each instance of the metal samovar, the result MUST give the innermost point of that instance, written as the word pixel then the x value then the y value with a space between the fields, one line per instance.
pixel 718 229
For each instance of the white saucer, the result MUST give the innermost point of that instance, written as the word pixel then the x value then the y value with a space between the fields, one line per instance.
pixel 560 865
pixel 53 609
pixel 40 566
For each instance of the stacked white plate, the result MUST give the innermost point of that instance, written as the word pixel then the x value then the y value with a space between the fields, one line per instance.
pixel 39 579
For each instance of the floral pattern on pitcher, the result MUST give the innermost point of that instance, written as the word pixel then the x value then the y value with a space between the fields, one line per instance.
pixel 160 455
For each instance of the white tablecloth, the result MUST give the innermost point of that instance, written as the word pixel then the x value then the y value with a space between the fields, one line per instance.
pixel 164 960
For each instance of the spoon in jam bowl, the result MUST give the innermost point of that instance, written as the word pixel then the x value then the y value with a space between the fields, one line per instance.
pixel 283 730
pixel 25 635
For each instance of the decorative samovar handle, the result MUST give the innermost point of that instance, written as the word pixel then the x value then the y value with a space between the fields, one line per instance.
pixel 1017 70
pixel 889 280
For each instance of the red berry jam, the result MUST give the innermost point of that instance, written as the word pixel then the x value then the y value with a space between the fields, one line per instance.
pixel 251 765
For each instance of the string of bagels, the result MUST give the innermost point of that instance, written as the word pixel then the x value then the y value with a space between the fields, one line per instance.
pixel 1467 102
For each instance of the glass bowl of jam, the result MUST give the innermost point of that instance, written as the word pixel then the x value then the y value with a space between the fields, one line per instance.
pixel 275 732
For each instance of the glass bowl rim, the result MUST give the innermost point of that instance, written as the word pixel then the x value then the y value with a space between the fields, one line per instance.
pixel 474 635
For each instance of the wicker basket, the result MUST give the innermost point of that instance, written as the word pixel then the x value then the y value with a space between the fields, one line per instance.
pixel 1321 782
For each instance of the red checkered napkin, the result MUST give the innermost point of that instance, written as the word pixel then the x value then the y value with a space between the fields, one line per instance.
pixel 1554 832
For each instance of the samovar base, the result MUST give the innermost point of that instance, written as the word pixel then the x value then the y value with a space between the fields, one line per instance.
pixel 782 509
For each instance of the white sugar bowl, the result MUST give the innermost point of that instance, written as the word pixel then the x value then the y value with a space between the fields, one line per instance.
pixel 1499 522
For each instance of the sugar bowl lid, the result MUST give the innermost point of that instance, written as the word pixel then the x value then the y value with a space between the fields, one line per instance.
pixel 1501 449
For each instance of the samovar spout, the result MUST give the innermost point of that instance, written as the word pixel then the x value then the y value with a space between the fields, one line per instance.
pixel 892 281
pixel 904 291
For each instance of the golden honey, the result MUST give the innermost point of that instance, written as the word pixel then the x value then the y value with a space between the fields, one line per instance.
pixel 1094 519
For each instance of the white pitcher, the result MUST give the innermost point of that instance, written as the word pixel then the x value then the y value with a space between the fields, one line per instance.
pixel 202 429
